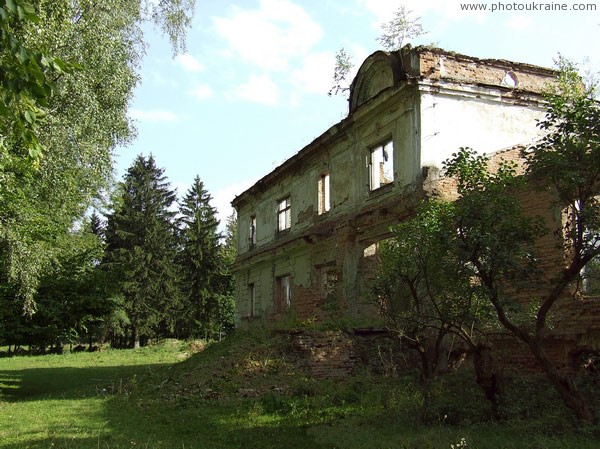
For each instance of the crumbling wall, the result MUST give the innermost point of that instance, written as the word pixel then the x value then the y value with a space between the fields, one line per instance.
pixel 437 64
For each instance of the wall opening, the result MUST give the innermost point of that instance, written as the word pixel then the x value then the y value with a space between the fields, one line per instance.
pixel 381 165
pixel 283 292
pixel 284 214
pixel 324 195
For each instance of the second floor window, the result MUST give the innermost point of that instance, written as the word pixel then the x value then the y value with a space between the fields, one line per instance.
pixel 381 165
pixel 284 214
pixel 252 233
pixel 324 201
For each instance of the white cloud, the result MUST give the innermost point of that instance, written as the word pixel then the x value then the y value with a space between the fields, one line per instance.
pixel 259 89
pixel 189 63
pixel 270 36
pixel 202 92
pixel 154 115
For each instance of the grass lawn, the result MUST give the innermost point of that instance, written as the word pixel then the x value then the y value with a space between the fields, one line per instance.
pixel 242 393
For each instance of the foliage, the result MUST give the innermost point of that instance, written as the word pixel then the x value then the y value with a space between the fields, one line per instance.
pixel 200 261
pixel 394 34
pixel 400 29
pixel 231 239
pixel 68 69
pixel 26 85
pixel 341 71
pixel 499 240
pixel 420 284
pixel 71 293
pixel 500 243
pixel 226 317
pixel 567 160
pixel 425 285
pixel 141 248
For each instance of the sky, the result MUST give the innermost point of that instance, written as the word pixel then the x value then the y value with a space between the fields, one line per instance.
pixel 252 87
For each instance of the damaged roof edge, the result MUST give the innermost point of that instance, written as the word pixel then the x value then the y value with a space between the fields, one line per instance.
pixel 332 133
pixel 526 67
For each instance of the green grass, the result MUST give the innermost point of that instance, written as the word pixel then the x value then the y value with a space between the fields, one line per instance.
pixel 246 392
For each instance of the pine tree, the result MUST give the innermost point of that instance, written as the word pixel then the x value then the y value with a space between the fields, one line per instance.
pixel 200 260
pixel 229 248
pixel 140 239
pixel 226 318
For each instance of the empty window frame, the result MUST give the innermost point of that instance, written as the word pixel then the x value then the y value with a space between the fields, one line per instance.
pixel 283 292
pixel 251 300
pixel 590 278
pixel 381 165
pixel 575 227
pixel 327 279
pixel 252 231
pixel 324 199
pixel 284 214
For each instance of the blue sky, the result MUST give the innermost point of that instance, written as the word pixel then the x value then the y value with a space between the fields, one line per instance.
pixel 251 89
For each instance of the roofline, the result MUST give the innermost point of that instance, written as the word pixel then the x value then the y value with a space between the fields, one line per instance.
pixel 337 130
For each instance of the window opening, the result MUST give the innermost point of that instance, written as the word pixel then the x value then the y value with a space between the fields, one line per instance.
pixel 284 292
pixel 381 165
pixel 284 214
pixel 251 299
pixel 252 236
pixel 324 201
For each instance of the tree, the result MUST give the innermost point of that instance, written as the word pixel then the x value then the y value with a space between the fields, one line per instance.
pixel 566 163
pixel 70 295
pixel 229 248
pixel 67 75
pixel 341 72
pixel 427 297
pixel 499 240
pixel 226 315
pixel 200 260
pixel 141 249
pixel 401 28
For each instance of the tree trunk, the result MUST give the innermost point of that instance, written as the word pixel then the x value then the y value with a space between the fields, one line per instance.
pixel 564 385
pixel 486 376
pixel 135 337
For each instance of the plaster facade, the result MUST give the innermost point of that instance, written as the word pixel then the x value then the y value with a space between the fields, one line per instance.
pixel 308 230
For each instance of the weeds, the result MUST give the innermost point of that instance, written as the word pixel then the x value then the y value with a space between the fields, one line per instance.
pixel 246 392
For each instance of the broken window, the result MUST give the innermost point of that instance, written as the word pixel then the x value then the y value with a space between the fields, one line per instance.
pixel 381 165
pixel 284 293
pixel 324 202
pixel 284 214
pixel 252 233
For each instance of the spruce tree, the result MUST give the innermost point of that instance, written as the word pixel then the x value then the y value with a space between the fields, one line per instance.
pixel 226 319
pixel 200 260
pixel 141 248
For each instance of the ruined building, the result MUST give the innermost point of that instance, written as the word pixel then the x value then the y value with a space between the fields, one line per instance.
pixel 308 230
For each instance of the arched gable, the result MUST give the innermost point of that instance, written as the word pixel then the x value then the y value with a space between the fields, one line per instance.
pixel 378 72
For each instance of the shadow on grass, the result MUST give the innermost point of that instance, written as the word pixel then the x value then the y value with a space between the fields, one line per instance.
pixel 130 414
pixel 69 383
